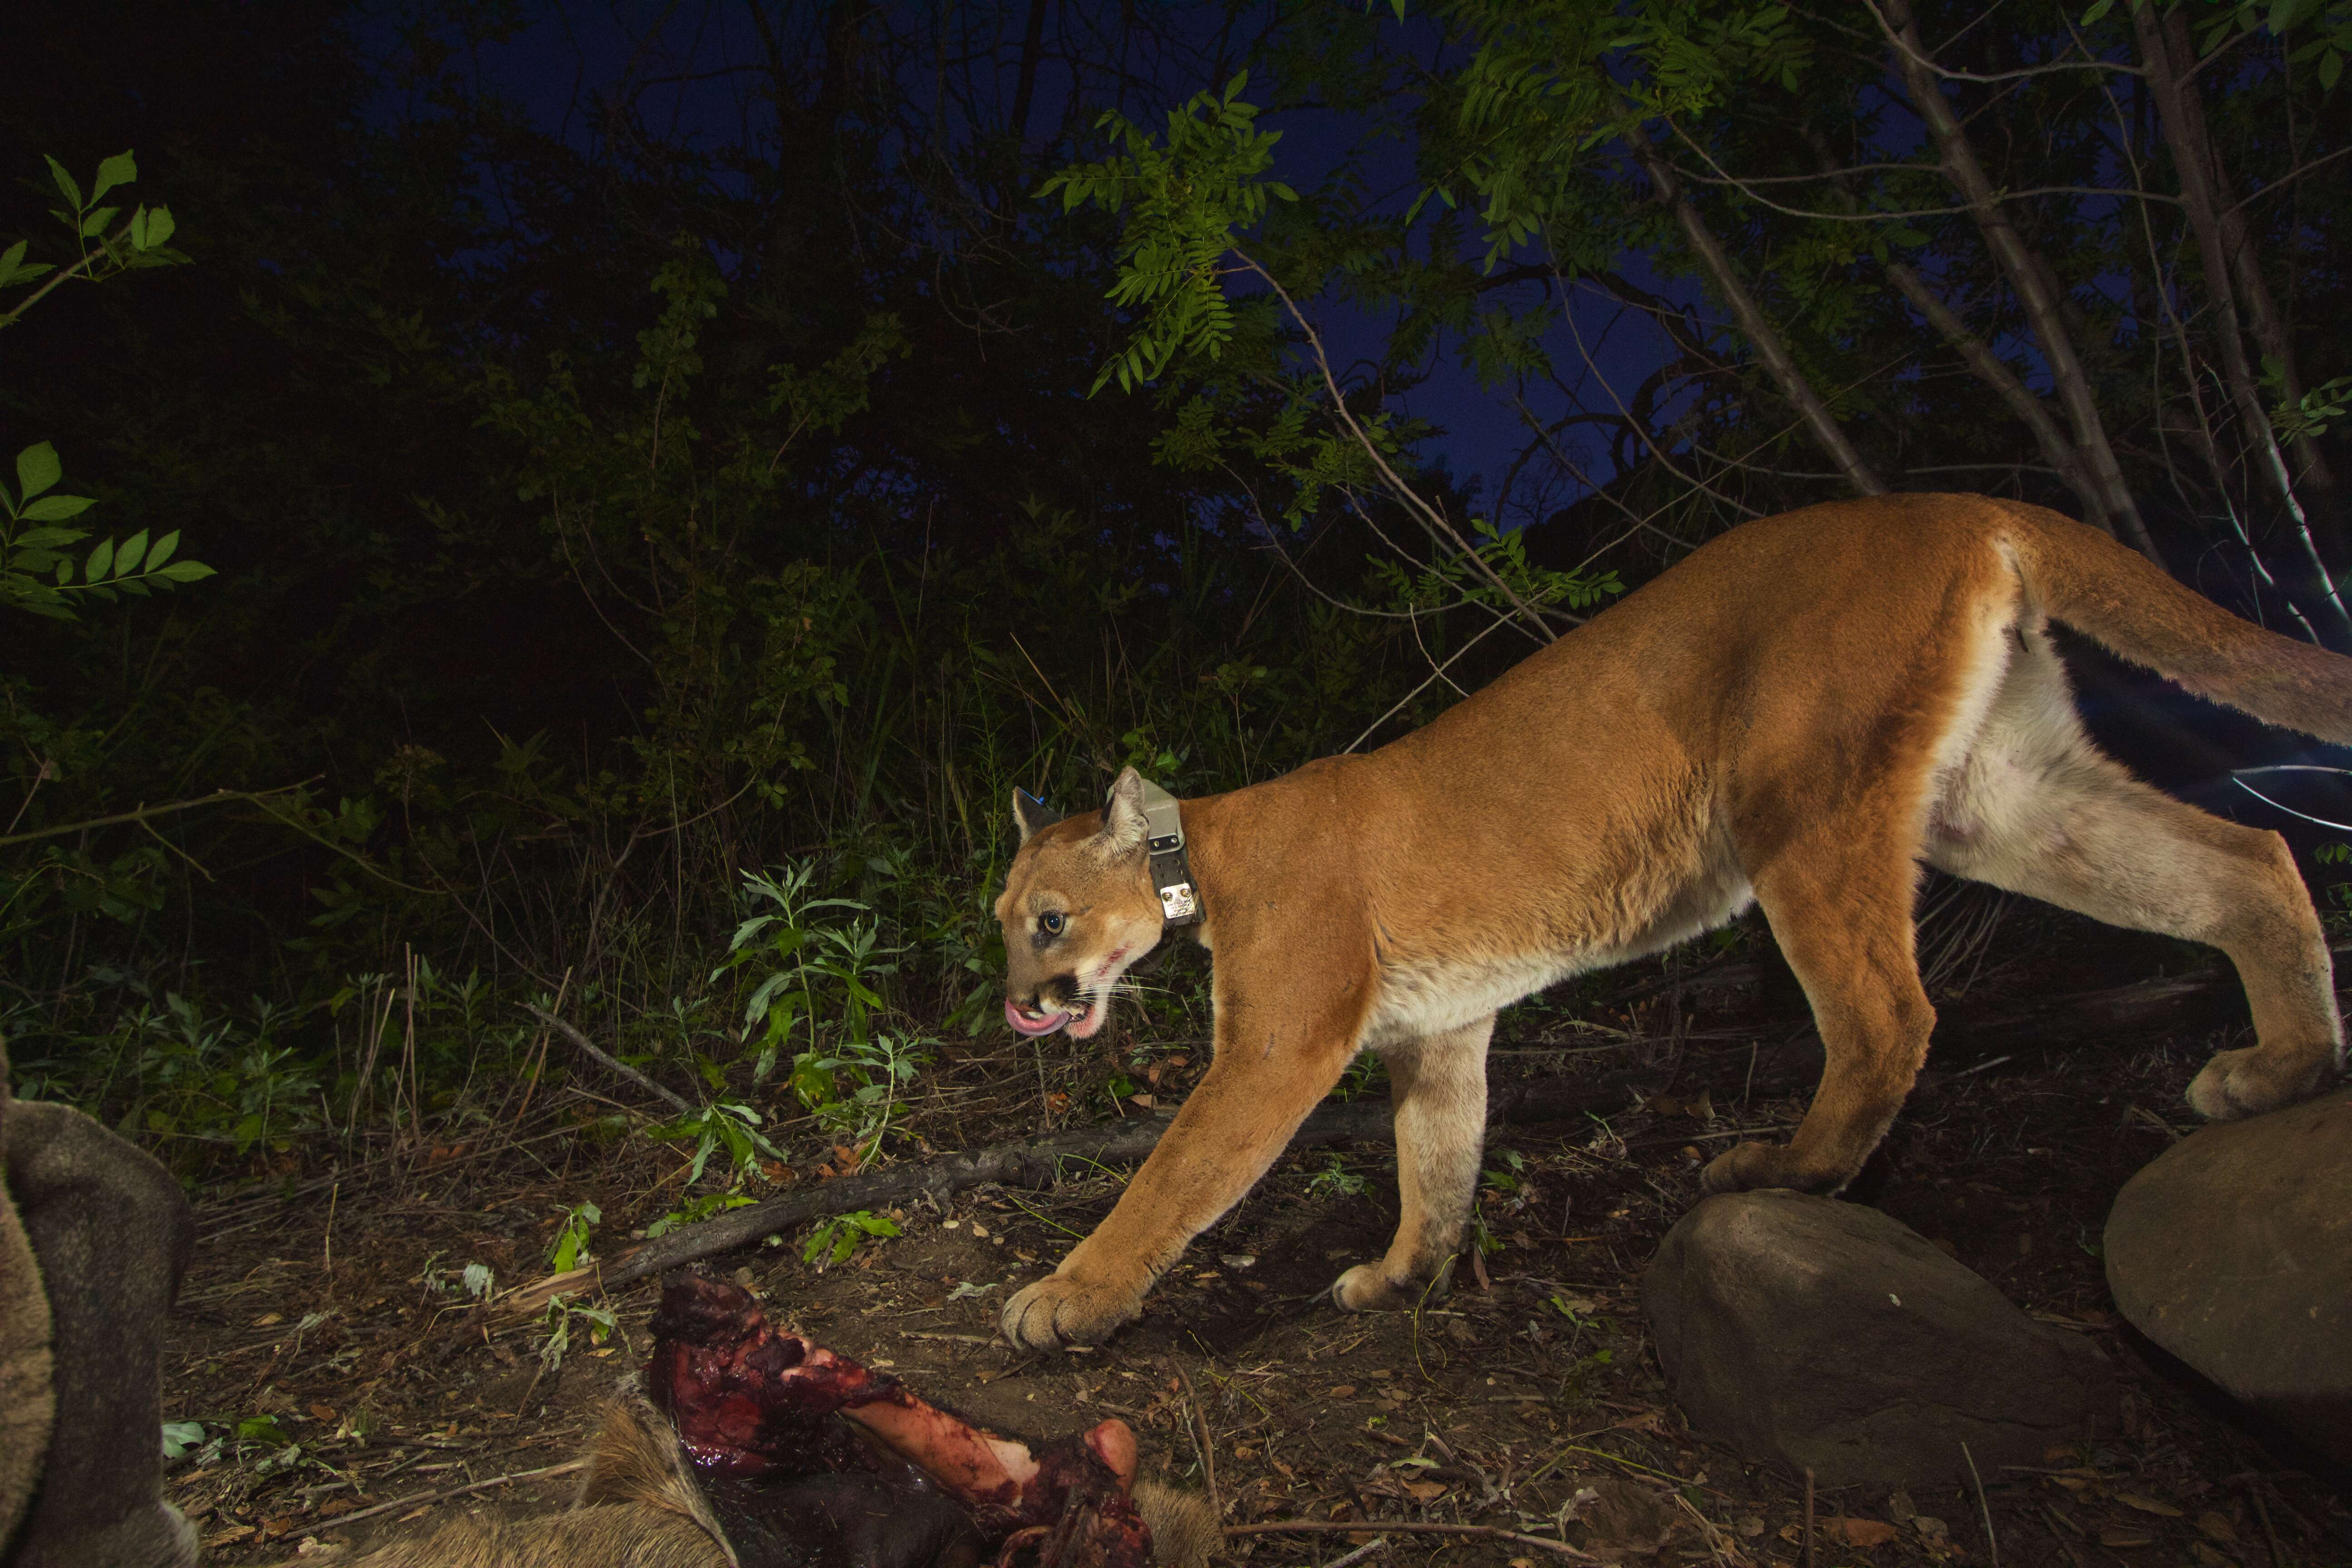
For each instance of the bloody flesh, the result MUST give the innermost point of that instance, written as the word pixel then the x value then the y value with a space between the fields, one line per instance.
pixel 752 1405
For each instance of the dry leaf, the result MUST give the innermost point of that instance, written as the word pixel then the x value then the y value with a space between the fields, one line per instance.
pixel 1863 1532
pixel 2147 1505
pixel 2114 1534
pixel 233 1534
pixel 323 1412
pixel 1423 1492
pixel 2217 1527
pixel 1345 1391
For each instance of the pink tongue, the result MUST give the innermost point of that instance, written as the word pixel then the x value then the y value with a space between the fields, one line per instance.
pixel 1025 1025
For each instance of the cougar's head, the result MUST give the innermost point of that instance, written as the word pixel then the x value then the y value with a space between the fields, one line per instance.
pixel 1077 908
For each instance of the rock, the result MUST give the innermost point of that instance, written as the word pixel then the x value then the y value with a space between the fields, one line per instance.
pixel 1823 1335
pixel 2233 1249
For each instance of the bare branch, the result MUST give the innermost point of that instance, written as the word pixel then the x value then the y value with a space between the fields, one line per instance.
pixel 1819 421
pixel 2025 275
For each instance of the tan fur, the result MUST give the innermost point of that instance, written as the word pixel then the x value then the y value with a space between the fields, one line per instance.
pixel 1798 715
pixel 27 1399
pixel 1184 1530
pixel 638 1507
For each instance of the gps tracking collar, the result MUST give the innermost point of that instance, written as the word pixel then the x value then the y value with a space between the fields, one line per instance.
pixel 1171 872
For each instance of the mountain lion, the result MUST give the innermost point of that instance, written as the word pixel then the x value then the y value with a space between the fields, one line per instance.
pixel 1798 715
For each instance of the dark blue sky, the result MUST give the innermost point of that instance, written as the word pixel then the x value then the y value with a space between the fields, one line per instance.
pixel 696 71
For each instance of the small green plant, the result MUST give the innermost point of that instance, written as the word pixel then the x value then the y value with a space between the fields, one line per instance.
pixel 727 1124
pixel 1508 1179
pixel 571 1247
pixel 834 1240
pixel 557 1326
pixel 1364 1074
pixel 819 1000
pixel 1335 1180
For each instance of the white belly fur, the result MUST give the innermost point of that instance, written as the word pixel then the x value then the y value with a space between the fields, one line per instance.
pixel 1431 996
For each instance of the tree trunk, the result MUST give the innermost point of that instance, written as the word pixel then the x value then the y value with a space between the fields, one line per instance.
pixel 1988 369
pixel 2226 251
pixel 2018 265
pixel 1815 414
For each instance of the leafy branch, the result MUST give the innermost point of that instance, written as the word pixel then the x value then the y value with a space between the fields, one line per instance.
pixel 137 242
pixel 37 574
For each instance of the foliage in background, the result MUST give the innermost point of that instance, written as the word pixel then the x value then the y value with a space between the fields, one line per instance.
pixel 660 547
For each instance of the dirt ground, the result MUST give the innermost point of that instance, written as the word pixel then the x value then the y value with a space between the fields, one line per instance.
pixel 1529 1399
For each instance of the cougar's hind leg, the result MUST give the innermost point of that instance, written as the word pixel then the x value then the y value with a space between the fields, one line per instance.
pixel 2077 831
pixel 1439 1085
pixel 1840 907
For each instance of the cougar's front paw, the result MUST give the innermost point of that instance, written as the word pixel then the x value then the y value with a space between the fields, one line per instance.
pixel 1061 1311
pixel 1369 1288
pixel 2237 1084
pixel 1748 1166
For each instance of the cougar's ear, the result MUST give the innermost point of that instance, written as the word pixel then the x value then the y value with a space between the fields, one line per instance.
pixel 1033 814
pixel 1123 827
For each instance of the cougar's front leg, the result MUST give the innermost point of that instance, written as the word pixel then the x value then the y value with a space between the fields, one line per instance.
pixel 1275 1059
pixel 1439 1085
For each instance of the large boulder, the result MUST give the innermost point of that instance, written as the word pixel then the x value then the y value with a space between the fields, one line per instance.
pixel 2233 1251
pixel 1825 1336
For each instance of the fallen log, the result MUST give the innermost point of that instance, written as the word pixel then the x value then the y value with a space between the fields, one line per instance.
pixel 1039 1163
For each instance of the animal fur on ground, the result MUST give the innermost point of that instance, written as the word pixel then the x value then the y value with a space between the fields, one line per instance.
pixel 640 1506
pixel 1798 715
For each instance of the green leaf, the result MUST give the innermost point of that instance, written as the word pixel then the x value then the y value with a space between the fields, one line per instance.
pixel 163 551
pixel 71 192
pixel 2097 11
pixel 100 564
pixel 261 1429
pixel 119 169
pixel 95 221
pixel 37 469
pixel 157 228
pixel 185 572
pixel 127 559
pixel 56 509
pixel 49 539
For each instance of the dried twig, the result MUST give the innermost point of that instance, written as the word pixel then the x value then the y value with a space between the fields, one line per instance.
pixel 1993 1543
pixel 1379 1544
pixel 1356 1527
pixel 1208 1449
pixel 1809 1517
pixel 610 1063
pixel 564 1468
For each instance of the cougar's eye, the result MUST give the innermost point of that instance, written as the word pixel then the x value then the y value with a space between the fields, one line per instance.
pixel 1051 922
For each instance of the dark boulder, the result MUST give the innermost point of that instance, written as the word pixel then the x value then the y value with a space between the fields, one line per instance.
pixel 2233 1251
pixel 1822 1335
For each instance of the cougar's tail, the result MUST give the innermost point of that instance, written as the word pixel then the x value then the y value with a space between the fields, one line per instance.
pixel 2115 596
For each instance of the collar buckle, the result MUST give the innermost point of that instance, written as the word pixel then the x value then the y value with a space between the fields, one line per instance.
pixel 1172 871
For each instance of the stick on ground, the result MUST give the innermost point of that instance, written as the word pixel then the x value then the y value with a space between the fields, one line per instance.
pixel 416 1499
pixel 1393 1527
